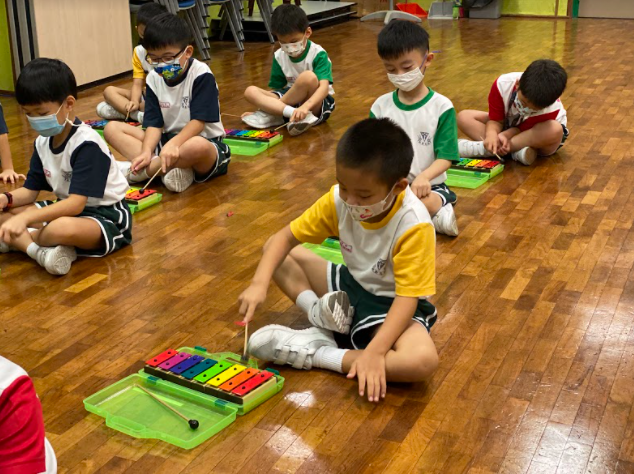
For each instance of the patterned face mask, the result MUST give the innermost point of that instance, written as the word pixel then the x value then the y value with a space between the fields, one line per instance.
pixel 363 213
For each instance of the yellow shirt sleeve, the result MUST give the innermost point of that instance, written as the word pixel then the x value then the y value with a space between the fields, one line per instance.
pixel 137 67
pixel 318 222
pixel 415 262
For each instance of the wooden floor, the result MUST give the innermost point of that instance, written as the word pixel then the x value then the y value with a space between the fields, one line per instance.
pixel 536 295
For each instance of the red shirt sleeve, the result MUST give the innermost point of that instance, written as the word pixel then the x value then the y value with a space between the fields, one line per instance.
pixel 496 104
pixel 21 429
pixel 530 122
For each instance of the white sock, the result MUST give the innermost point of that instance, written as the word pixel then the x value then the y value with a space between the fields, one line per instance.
pixel 330 358
pixel 134 115
pixel 306 299
pixel 288 111
pixel 32 250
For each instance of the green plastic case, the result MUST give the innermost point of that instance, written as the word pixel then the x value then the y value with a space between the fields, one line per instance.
pixel 128 409
pixel 250 147
pixel 470 179
pixel 329 249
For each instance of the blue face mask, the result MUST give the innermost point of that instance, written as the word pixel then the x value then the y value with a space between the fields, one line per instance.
pixel 47 126
pixel 170 71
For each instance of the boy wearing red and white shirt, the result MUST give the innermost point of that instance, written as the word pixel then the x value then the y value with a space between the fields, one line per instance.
pixel 23 447
pixel 526 117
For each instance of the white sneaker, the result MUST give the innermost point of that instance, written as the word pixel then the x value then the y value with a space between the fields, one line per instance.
pixel 178 180
pixel 108 112
pixel 526 156
pixel 333 312
pixel 471 149
pixel 263 120
pixel 296 128
pixel 445 221
pixel 56 260
pixel 283 345
pixel 132 178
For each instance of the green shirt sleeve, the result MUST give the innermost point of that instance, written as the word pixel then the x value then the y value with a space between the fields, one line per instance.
pixel 278 78
pixel 372 114
pixel 322 67
pixel 446 137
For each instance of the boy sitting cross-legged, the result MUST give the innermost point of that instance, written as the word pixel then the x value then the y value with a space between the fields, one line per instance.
pixel 301 78
pixel 379 297
pixel 120 103
pixel 182 114
pixel 90 216
pixel 526 117
pixel 428 117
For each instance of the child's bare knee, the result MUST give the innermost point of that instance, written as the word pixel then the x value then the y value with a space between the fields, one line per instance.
pixel 425 364
pixel 111 129
pixel 553 130
pixel 308 78
pixel 109 91
pixel 251 92
pixel 60 229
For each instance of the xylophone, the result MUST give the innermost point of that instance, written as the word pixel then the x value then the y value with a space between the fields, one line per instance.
pixel 137 201
pixel 101 124
pixel 472 173
pixel 253 135
pixel 475 164
pixel 251 142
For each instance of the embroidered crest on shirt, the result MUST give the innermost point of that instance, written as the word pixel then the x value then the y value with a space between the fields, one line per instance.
pixel 67 175
pixel 379 267
pixel 345 246
pixel 424 138
pixel 185 102
pixel 47 173
pixel 164 105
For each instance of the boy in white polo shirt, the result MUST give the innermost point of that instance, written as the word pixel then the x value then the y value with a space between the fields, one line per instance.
pixel 182 114
pixel 90 216
pixel 120 103
pixel 379 297
pixel 427 116
pixel 301 78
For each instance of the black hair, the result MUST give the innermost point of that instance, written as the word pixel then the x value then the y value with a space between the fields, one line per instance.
pixel 400 37
pixel 543 82
pixel 288 19
pixel 148 11
pixel 379 145
pixel 167 30
pixel 45 80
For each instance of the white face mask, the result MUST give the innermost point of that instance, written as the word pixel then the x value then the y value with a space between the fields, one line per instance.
pixel 408 80
pixel 363 213
pixel 523 110
pixel 294 49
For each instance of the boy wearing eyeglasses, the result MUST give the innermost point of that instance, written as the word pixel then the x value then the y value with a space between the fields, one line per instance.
pixel 301 78
pixel 526 117
pixel 182 114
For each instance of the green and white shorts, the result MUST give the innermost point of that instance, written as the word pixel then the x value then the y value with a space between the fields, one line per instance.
pixel 327 105
pixel 370 310
pixel 115 222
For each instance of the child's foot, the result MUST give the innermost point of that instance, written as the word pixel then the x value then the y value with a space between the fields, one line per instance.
pixel 526 156
pixel 178 180
pixel 471 149
pixel 445 221
pixel 132 178
pixel 332 311
pixel 296 128
pixel 262 119
pixel 283 345
pixel 108 112
pixel 56 260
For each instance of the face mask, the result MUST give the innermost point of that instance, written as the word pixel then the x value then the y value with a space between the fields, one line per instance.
pixel 48 126
pixel 293 49
pixel 363 213
pixel 170 71
pixel 409 80
pixel 523 111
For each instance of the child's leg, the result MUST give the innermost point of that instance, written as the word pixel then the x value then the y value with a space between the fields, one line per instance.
pixel 545 138
pixel 473 123
pixel 433 203
pixel 197 153
pixel 117 97
pixel 304 87
pixel 125 139
pixel 264 99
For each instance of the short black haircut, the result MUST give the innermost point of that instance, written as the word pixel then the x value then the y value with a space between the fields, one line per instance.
pixel 45 80
pixel 400 37
pixel 543 82
pixel 378 145
pixel 166 30
pixel 288 19
pixel 148 11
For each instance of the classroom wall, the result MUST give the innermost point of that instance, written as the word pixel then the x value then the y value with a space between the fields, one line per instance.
pixel 521 7
pixel 6 71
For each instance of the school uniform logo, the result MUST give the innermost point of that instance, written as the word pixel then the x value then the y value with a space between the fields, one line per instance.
pixel 185 102
pixel 47 173
pixel 164 105
pixel 424 138
pixel 345 246
pixel 379 267
pixel 67 175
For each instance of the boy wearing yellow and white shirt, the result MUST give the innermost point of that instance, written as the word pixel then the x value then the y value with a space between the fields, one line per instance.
pixel 379 297
pixel 120 103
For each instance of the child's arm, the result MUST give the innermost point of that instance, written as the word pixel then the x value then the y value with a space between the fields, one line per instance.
pixel 275 252
pixel 8 175
pixel 317 98
pixel 153 121
pixel 504 140
pixel 135 94
pixel 497 113
pixel 170 151
pixel 370 366
pixel 21 197
pixel 421 186
pixel 492 130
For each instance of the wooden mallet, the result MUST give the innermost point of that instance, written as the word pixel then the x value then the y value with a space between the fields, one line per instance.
pixel 193 424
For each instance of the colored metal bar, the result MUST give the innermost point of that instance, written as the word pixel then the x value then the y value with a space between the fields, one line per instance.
pixel 186 364
pixel 162 357
pixel 199 368
pixel 243 376
pixel 232 371
pixel 174 361
pixel 212 372
pixel 252 383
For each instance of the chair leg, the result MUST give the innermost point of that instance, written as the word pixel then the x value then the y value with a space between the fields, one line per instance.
pixel 266 18
pixel 233 24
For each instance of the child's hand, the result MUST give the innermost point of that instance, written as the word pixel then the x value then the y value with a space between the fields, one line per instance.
pixel 12 228
pixel 421 187
pixel 132 106
pixel 169 156
pixel 10 176
pixel 299 114
pixel 141 162
pixel 504 145
pixel 491 144
pixel 369 368
pixel 250 299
